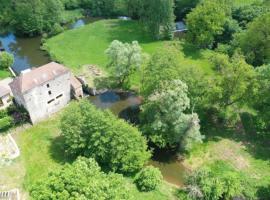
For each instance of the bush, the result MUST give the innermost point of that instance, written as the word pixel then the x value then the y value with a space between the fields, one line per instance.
pixel 6 60
pixel 111 141
pixel 83 179
pixel 5 123
pixel 148 179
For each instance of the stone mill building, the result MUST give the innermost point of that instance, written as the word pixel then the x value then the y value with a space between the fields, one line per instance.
pixel 45 90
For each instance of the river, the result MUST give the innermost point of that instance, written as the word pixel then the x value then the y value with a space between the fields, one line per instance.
pixel 27 54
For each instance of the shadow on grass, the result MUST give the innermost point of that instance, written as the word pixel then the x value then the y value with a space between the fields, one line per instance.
pixel 128 31
pixel 58 153
pixel 255 145
pixel 191 51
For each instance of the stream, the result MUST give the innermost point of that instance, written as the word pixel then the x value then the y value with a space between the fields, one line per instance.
pixel 27 54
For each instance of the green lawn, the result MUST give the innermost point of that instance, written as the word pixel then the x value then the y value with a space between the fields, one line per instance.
pixel 244 153
pixel 87 45
pixel 41 152
pixel 4 74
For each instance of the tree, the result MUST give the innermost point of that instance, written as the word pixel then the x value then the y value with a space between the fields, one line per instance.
pixel 111 141
pixel 6 60
pixel 149 178
pixel 163 65
pixel 233 86
pixel 158 16
pixel 206 21
pixel 254 42
pixel 125 59
pixel 82 179
pixel 261 101
pixel 246 14
pixel 34 17
pixel 163 116
pixel 183 7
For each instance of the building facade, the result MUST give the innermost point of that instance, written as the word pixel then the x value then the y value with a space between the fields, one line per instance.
pixel 43 91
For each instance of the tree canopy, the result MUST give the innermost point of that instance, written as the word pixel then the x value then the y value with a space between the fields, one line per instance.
pixel 206 21
pixel 113 142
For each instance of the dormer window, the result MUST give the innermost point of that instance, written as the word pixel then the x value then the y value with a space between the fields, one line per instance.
pixel 49 92
pixel 48 85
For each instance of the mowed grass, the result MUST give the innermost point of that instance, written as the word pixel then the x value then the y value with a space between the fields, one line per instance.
pixel 4 74
pixel 42 152
pixel 87 45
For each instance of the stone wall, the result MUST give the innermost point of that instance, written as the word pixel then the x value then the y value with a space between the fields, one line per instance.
pixel 48 98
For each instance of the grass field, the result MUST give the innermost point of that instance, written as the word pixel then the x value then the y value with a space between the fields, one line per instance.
pixel 242 152
pixel 4 74
pixel 87 45
pixel 41 152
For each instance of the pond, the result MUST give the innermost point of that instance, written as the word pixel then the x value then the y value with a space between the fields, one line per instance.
pixel 27 51
pixel 126 106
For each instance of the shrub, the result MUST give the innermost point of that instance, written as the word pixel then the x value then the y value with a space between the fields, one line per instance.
pixel 82 179
pixel 148 179
pixel 6 60
pixel 5 123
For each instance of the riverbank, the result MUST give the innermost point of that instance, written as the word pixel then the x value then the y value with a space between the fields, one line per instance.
pixel 35 162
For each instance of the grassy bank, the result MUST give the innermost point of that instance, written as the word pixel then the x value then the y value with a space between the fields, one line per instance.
pixel 41 152
pixel 4 74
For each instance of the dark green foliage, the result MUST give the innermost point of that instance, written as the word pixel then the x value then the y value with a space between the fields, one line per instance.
pixel 36 16
pixel 246 14
pixel 81 180
pixel 261 119
pixel 183 7
pixel 6 60
pixel 158 17
pixel 207 21
pixel 149 178
pixel 254 42
pixel 111 141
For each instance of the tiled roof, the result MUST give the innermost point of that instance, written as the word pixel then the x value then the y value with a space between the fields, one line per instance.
pixel 38 76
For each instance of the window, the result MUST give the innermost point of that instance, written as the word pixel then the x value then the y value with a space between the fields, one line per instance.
pixel 1 102
pixel 59 96
pixel 49 92
pixel 50 101
pixel 48 85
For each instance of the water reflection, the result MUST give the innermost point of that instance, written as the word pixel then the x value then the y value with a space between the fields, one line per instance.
pixel 26 51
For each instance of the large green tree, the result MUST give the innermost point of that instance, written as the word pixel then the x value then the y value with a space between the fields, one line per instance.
pixel 36 16
pixel 254 42
pixel 164 120
pixel 82 179
pixel 111 141
pixel 233 86
pixel 158 16
pixel 124 59
pixel 206 21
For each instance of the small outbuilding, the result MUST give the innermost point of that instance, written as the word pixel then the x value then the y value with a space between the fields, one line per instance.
pixel 180 29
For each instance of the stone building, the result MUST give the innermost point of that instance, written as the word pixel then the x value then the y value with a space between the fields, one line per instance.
pixel 43 90
pixel 5 93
